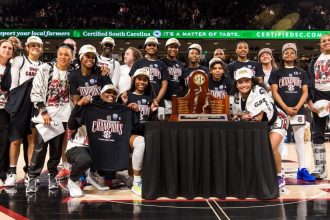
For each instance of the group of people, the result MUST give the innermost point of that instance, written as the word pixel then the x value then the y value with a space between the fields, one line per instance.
pixel 91 111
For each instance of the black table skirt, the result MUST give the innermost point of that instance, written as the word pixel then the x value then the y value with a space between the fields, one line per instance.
pixel 208 159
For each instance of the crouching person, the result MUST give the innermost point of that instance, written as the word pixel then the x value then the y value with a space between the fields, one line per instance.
pixel 108 127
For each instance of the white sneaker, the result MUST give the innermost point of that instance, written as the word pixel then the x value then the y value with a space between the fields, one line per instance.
pixel 137 188
pixel 11 179
pixel 74 189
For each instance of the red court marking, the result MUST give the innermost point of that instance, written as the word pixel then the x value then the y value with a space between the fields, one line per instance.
pixel 12 214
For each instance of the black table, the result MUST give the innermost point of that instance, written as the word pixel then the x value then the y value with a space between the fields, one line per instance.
pixel 208 159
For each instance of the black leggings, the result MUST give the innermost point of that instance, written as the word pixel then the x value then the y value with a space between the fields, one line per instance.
pixel 80 161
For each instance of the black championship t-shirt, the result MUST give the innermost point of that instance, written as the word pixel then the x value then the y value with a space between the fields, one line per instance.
pixel 220 89
pixel 254 66
pixel 157 73
pixel 144 103
pixel 86 85
pixel 108 129
pixel 174 69
pixel 290 82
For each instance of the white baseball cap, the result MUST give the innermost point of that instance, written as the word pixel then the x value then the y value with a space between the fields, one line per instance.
pixel 289 46
pixel 214 61
pixel 321 107
pixel 109 87
pixel 151 40
pixel 243 73
pixel 141 71
pixel 87 49
pixel 172 41
pixel 33 39
pixel 108 40
pixel 196 47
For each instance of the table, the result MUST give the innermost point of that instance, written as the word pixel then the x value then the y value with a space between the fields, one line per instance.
pixel 208 159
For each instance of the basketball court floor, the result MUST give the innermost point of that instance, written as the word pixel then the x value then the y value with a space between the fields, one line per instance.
pixel 298 200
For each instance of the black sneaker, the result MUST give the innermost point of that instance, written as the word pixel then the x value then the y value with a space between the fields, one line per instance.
pixel 32 186
pixel 52 182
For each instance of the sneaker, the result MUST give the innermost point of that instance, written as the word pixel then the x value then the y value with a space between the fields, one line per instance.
pixel 52 182
pixel 74 189
pixel 125 178
pixel 303 174
pixel 63 174
pixel 97 181
pixel 281 181
pixel 137 188
pixel 320 173
pixel 11 179
pixel 32 186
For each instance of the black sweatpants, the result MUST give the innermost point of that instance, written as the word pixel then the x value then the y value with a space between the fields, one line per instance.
pixel 80 160
pixel 4 143
pixel 39 155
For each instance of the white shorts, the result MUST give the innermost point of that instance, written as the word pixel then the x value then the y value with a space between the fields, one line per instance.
pixel 281 123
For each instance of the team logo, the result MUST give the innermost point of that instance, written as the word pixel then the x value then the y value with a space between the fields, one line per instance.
pixel 295 73
pixel 249 66
pixel 86 84
pixel 156 65
pixel 290 75
pixel 109 117
pixel 221 87
pixel 107 134
pixel 157 33
pixel 291 88
pixel 92 81
pixel 144 101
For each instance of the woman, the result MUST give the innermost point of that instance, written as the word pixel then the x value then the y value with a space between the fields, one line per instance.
pixel 219 84
pixel 174 68
pixel 6 53
pixel 132 54
pixel 50 95
pixel 23 70
pixel 242 51
pixel 265 57
pixel 78 152
pixel 138 100
pixel 320 89
pixel 290 91
pixel 250 102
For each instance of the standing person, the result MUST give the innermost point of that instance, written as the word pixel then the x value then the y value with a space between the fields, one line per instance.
pixel 265 57
pixel 194 53
pixel 139 101
pixel 320 89
pixel 219 54
pixel 242 51
pixel 290 91
pixel 132 54
pixel 50 95
pixel 17 46
pixel 6 53
pixel 65 167
pixel 174 68
pixel 158 73
pixel 23 70
pixel 250 102
pixel 105 59
pixel 220 85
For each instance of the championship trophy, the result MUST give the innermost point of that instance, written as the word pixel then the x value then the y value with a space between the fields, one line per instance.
pixel 199 104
